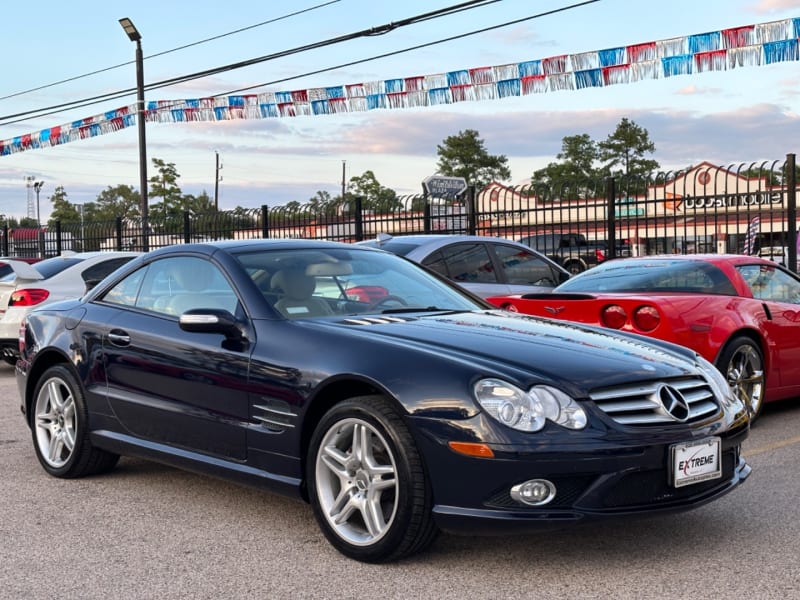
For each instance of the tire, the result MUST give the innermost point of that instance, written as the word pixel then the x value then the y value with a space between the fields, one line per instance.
pixel 574 267
pixel 367 484
pixel 742 363
pixel 60 428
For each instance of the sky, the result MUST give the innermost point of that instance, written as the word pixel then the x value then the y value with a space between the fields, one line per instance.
pixel 58 52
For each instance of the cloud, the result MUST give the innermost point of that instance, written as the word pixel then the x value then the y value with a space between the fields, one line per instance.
pixel 771 6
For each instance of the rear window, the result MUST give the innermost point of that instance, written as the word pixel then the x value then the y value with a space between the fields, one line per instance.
pixel 54 266
pixel 652 277
pixel 395 247
pixel 48 267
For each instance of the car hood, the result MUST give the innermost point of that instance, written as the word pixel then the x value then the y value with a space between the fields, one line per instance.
pixel 577 356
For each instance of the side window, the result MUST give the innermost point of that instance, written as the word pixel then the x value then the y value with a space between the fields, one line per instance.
pixel 436 262
pixel 126 291
pixel 174 285
pixel 469 263
pixel 525 268
pixel 771 284
pixel 96 273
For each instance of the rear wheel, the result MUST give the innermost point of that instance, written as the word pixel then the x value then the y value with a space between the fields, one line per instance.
pixel 61 428
pixel 574 267
pixel 742 364
pixel 367 484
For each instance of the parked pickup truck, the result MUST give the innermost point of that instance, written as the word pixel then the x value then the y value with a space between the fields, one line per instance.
pixel 570 250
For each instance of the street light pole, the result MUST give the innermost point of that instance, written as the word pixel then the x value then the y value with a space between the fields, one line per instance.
pixel 37 187
pixel 134 36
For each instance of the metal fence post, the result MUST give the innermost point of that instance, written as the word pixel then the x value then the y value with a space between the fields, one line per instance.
pixel 472 224
pixel 5 240
pixel 187 227
pixel 426 214
pixel 359 219
pixel 118 232
pixel 58 237
pixel 791 209
pixel 611 216
pixel 264 222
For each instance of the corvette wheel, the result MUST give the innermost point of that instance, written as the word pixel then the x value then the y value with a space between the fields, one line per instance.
pixel 367 484
pixel 743 365
pixel 60 428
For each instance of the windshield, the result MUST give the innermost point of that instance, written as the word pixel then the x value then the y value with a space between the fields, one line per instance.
pixel 314 282
pixel 651 276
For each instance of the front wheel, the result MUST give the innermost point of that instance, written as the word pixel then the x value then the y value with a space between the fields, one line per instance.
pixel 367 483
pixel 60 428
pixel 742 364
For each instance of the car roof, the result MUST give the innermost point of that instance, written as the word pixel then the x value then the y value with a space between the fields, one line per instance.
pixel 425 238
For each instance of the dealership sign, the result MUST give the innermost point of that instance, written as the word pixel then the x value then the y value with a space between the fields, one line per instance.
pixel 733 200
pixel 440 186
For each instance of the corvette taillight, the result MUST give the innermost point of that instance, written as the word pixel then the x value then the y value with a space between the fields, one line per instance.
pixel 29 297
pixel 646 318
pixel 613 316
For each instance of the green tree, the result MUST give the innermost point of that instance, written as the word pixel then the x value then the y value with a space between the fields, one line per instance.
pixel 575 175
pixel 118 201
pixel 625 149
pixel 164 185
pixel 323 204
pixel 197 205
pixel 63 209
pixel 464 155
pixel 375 196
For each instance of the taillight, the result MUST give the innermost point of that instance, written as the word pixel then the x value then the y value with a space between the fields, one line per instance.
pixel 613 316
pixel 646 318
pixel 29 297
pixel 600 255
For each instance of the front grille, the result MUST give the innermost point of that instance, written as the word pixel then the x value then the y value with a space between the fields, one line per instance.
pixel 652 487
pixel 642 404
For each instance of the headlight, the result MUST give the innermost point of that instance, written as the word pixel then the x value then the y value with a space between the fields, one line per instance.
pixel 528 411
pixel 717 381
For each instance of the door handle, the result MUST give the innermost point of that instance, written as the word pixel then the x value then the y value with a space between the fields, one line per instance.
pixel 119 337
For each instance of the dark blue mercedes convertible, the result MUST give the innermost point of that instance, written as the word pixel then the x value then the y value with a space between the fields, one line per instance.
pixel 395 403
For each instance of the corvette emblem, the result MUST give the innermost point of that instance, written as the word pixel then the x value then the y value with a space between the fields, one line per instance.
pixel 554 310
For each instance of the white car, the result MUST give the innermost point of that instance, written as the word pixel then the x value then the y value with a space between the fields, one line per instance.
pixel 49 280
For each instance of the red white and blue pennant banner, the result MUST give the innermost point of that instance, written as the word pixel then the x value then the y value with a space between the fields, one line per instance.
pixel 747 46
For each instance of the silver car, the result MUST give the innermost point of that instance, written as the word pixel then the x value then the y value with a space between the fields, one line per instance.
pixel 486 266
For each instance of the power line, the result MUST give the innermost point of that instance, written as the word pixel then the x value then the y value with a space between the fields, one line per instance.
pixel 130 62
pixel 373 31
pixel 369 32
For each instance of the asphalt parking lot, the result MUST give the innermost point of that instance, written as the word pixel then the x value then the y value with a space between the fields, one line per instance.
pixel 149 531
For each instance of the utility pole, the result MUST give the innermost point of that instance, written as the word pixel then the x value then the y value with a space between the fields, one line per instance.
pixel 217 179
pixel 344 162
pixel 37 187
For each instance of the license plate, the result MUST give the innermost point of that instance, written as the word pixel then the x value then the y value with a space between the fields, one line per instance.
pixel 693 462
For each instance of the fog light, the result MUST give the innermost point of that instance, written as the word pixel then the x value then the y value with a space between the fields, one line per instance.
pixel 535 492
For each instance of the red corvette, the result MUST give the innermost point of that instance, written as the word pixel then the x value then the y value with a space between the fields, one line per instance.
pixel 742 313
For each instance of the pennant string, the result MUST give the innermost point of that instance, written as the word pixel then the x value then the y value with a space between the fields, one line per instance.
pixel 745 46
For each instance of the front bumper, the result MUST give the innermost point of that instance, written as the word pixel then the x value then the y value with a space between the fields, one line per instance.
pixel 613 474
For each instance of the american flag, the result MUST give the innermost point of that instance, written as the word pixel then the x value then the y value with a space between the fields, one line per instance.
pixel 752 236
